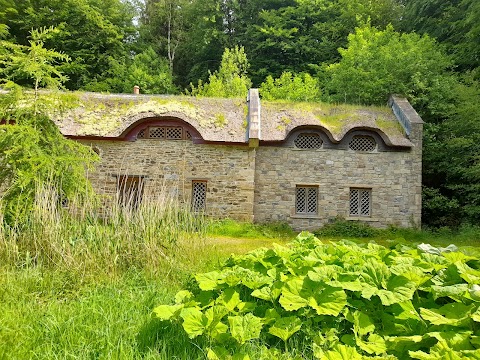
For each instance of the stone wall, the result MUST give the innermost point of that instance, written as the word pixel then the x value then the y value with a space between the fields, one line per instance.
pixel 393 176
pixel 172 165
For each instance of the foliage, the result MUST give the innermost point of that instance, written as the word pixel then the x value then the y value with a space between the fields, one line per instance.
pixel 33 149
pixel 91 32
pixel 337 299
pixel 346 228
pixel 81 234
pixel 454 23
pixel 378 63
pixel 151 73
pixel 231 78
pixel 452 163
pixel 293 87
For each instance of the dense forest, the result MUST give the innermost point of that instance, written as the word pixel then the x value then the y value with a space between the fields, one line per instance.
pixel 354 51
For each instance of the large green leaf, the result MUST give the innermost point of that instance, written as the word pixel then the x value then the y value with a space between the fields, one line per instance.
pixel 456 340
pixel 209 281
pixel 468 274
pixel 301 292
pixel 285 327
pixel 399 289
pixel 341 352
pixel 269 293
pixel 440 350
pixel 194 322
pixel 292 297
pixel 402 343
pixel 362 324
pixel 328 300
pixel 374 345
pixel 455 292
pixel 455 314
pixel 230 298
pixel 244 328
pixel 166 312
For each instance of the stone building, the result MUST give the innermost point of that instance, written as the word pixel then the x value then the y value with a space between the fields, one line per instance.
pixel 262 161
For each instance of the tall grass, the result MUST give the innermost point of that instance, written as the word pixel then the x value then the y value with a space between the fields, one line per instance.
pixel 85 235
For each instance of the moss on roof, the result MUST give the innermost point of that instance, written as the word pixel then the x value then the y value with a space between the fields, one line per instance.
pixel 111 115
pixel 336 119
pixel 224 120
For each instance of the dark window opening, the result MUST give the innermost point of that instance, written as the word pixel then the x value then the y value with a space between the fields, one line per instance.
pixel 130 191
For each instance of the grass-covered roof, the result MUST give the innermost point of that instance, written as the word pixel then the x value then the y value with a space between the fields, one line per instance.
pixel 224 120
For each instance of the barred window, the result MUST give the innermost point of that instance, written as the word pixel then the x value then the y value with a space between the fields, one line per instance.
pixel 199 195
pixel 360 202
pixel 308 141
pixel 362 143
pixel 156 132
pixel 165 133
pixel 306 199
pixel 130 191
pixel 141 134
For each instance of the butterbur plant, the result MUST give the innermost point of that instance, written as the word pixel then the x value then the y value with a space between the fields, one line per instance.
pixel 316 300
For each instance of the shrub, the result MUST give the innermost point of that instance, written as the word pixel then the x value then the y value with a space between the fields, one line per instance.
pixel 335 301
pixel 347 228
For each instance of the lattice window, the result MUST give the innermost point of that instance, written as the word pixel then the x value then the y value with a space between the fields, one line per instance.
pixel 188 136
pixel 174 133
pixel 199 195
pixel 156 132
pixel 306 199
pixel 141 134
pixel 308 141
pixel 360 202
pixel 130 191
pixel 362 143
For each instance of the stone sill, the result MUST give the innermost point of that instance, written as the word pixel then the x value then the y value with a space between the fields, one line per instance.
pixel 362 218
pixel 304 216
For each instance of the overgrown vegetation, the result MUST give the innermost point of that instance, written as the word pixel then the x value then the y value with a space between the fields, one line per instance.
pixel 230 80
pixel 34 152
pixel 335 300
pixel 467 235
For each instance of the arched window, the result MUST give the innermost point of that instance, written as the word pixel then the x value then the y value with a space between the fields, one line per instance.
pixel 308 141
pixel 165 133
pixel 363 143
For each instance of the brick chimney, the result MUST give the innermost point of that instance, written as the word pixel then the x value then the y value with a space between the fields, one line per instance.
pixel 136 90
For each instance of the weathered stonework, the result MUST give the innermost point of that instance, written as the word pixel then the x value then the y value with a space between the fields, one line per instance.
pixel 173 165
pixel 252 167
pixel 392 176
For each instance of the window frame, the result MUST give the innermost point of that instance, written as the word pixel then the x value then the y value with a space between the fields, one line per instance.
pixel 311 135
pixel 358 198
pixel 363 136
pixel 195 208
pixel 308 190
pixel 145 133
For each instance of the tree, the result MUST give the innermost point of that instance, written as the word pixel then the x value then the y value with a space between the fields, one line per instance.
pixel 90 32
pixel 151 72
pixel 378 63
pixel 451 173
pixel 455 23
pixel 163 26
pixel 34 152
pixel 293 87
pixel 231 78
